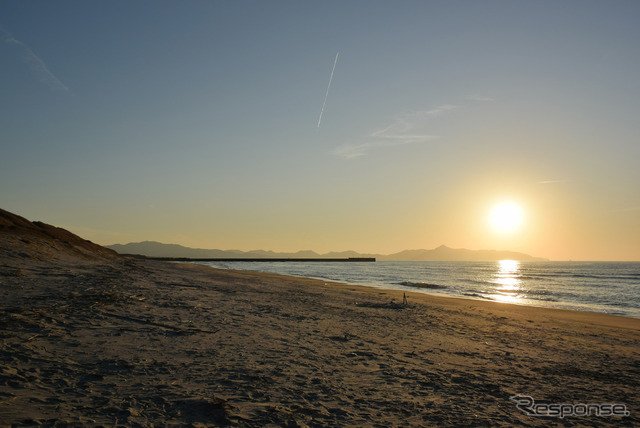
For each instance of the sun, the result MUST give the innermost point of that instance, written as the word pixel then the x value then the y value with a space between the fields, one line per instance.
pixel 506 217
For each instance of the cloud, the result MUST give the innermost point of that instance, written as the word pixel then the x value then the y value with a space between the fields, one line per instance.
pixel 352 151
pixel 35 64
pixel 552 181
pixel 439 110
pixel 405 129
pixel 408 128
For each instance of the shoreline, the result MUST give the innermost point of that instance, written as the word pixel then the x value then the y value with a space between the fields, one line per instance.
pixel 138 342
pixel 425 297
pixel 570 306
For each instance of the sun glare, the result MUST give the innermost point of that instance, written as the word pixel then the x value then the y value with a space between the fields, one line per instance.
pixel 506 217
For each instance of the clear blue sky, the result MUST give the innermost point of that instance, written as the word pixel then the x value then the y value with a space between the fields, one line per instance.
pixel 195 122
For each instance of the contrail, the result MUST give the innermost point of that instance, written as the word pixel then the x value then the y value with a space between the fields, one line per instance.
pixel 326 95
pixel 33 61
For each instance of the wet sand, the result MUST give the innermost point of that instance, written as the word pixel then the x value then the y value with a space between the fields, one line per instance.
pixel 145 343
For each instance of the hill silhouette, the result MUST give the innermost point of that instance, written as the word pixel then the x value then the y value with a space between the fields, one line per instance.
pixel 442 253
pixel 21 239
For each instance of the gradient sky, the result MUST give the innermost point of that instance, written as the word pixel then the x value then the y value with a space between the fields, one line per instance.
pixel 195 122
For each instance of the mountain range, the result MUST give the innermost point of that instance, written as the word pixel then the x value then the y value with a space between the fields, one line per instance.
pixel 442 253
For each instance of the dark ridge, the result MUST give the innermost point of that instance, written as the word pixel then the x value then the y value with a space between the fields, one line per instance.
pixel 21 239
pixel 442 253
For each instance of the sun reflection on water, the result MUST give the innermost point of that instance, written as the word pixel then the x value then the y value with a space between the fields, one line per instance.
pixel 507 282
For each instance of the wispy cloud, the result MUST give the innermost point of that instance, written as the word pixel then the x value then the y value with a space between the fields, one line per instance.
pixel 35 64
pixel 437 111
pixel 408 128
pixel 480 98
pixel 352 151
pixel 552 181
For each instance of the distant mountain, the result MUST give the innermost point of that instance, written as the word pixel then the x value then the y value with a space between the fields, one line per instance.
pixel 157 249
pixel 444 253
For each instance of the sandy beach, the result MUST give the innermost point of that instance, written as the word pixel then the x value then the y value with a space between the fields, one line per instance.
pixel 235 211
pixel 145 343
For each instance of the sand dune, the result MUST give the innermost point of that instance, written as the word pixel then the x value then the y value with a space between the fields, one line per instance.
pixel 23 241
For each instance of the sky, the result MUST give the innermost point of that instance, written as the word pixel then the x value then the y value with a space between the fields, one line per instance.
pixel 231 125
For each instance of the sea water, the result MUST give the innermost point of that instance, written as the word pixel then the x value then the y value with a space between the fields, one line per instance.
pixel 606 287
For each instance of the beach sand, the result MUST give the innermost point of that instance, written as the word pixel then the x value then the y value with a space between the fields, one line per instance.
pixel 145 343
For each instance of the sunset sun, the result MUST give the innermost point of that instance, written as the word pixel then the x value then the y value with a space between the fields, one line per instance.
pixel 506 217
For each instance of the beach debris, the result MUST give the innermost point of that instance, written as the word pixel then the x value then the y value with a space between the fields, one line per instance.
pixel 344 338
pixel 32 337
pixel 388 305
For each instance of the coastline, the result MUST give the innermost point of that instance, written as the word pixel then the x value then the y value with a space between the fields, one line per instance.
pixel 135 342
pixel 423 296
pixel 593 287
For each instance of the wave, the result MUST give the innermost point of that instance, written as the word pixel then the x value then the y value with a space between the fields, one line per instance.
pixel 613 276
pixel 582 286
pixel 508 292
pixel 547 299
pixel 422 285
pixel 537 277
pixel 477 295
pixel 569 276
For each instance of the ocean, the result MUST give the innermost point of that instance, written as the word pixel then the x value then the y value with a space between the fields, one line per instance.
pixel 605 287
